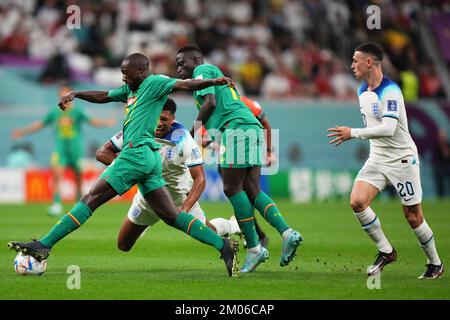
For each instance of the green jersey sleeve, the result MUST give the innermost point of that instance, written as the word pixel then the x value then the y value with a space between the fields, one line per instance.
pixel 161 85
pixel 119 94
pixel 205 72
pixel 50 117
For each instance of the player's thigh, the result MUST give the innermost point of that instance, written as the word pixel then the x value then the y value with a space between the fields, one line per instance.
pixel 153 180
pixel 369 182
pixel 99 193
pixel 405 177
pixel 241 146
pixel 162 204
pixel 140 213
pixel 132 166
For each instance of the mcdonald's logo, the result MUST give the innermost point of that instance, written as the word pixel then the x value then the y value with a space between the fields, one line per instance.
pixel 37 186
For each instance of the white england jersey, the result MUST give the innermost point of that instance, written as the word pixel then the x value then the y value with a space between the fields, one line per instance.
pixel 179 153
pixel 387 101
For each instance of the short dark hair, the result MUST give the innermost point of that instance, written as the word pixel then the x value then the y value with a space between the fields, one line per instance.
pixel 189 48
pixel 138 59
pixel 372 49
pixel 170 106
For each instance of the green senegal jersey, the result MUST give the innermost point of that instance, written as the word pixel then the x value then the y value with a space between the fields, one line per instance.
pixel 228 104
pixel 68 127
pixel 143 109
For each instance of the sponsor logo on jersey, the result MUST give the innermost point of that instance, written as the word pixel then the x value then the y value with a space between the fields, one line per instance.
pixel 375 109
pixel 392 105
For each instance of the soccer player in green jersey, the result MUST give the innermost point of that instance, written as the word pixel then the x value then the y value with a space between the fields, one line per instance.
pixel 68 144
pixel 229 121
pixel 139 162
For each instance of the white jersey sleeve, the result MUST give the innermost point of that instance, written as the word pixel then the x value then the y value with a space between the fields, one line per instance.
pixel 191 153
pixel 386 129
pixel 391 101
pixel 117 141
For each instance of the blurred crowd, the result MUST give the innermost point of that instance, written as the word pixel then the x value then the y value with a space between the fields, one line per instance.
pixel 272 48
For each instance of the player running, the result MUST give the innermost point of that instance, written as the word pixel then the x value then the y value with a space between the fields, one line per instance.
pixel 223 114
pixel 139 161
pixel 182 170
pixel 393 158
pixel 258 112
pixel 69 144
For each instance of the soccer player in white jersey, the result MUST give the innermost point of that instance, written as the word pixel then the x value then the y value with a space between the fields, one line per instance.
pixel 183 172
pixel 393 158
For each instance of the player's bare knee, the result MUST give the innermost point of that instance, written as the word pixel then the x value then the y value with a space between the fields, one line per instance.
pixel 414 220
pixel 413 215
pixel 168 219
pixel 358 204
pixel 230 190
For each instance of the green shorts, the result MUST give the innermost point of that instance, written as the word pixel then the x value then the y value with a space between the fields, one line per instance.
pixel 64 159
pixel 240 146
pixel 138 165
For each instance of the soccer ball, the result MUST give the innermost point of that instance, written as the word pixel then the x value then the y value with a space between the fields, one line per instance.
pixel 25 264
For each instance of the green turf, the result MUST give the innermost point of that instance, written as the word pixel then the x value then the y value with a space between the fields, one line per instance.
pixel 166 264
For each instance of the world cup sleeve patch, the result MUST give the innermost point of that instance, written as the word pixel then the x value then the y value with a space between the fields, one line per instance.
pixel 195 153
pixel 392 105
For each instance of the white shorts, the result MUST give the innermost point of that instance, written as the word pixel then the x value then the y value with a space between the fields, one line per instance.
pixel 141 213
pixel 404 176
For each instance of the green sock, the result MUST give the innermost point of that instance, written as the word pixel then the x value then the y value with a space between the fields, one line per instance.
pixel 68 223
pixel 269 210
pixel 56 197
pixel 196 229
pixel 243 210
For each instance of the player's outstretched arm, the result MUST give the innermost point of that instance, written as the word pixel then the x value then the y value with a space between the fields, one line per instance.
pixel 106 154
pixel 198 186
pixel 199 84
pixel 384 130
pixel 91 96
pixel 20 132
pixel 101 123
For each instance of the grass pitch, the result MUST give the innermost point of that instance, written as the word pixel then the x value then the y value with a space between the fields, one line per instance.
pixel 166 264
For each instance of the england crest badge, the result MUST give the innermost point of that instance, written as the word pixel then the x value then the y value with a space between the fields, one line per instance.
pixel 375 109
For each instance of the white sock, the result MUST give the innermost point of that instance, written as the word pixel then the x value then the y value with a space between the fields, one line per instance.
pixel 225 227
pixel 234 225
pixel 426 240
pixel 254 250
pixel 371 224
pixel 286 233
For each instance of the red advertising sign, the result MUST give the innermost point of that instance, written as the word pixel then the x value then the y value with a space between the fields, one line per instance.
pixel 39 186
